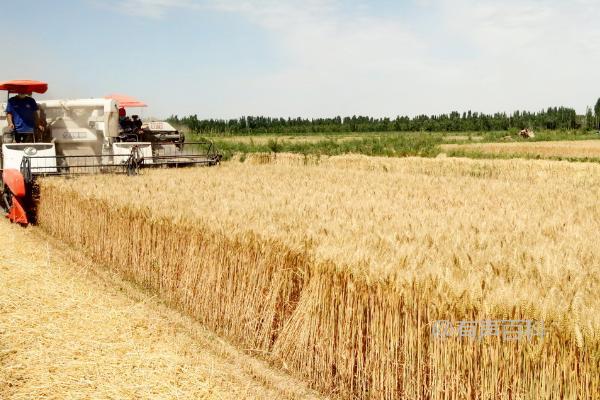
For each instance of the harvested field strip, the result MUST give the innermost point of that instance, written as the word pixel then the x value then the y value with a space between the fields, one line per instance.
pixel 336 271
pixel 461 138
pixel 586 149
pixel 70 330
pixel 505 170
pixel 260 139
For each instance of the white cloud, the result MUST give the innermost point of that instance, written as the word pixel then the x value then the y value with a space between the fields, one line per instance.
pixel 150 8
pixel 484 55
pixel 522 54
pixel 532 53
pixel 335 63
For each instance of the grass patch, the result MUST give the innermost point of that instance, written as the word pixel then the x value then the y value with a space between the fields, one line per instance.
pixel 402 145
pixel 388 144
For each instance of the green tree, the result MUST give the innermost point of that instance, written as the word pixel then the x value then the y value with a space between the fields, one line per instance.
pixel 597 112
pixel 589 119
pixel 597 108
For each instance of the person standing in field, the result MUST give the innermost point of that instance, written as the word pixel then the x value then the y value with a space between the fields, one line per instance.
pixel 23 117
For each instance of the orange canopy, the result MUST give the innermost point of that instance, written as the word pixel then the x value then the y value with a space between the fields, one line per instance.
pixel 126 101
pixel 24 86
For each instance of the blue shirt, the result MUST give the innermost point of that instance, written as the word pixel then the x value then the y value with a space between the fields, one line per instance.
pixel 23 113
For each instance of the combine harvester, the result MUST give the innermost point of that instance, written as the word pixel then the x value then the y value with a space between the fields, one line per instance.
pixel 82 137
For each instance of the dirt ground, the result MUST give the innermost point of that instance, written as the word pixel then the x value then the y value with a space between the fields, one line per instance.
pixel 70 330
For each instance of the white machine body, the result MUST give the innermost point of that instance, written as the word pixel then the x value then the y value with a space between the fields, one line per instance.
pixel 160 126
pixel 78 132
pixel 122 151
pixel 41 156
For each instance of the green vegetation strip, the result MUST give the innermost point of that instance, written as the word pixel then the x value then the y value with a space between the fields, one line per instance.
pixel 423 145
pixel 396 144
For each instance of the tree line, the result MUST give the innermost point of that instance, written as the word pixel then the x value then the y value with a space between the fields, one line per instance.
pixel 551 118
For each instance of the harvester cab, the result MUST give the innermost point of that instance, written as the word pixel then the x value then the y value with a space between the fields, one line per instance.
pixel 80 137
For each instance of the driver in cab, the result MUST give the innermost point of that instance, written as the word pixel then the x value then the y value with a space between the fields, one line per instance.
pixel 23 117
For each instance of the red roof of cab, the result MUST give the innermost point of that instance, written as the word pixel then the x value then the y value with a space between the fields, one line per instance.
pixel 24 86
pixel 126 101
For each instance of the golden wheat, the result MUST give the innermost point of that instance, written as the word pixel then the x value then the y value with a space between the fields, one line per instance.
pixel 335 268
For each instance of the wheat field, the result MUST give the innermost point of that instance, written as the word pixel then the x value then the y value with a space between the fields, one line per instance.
pixel 553 149
pixel 336 268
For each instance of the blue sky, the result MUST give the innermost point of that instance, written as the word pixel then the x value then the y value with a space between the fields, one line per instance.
pixel 313 58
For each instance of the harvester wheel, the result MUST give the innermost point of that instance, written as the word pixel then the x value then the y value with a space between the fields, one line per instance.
pixel 15 211
pixel 14 197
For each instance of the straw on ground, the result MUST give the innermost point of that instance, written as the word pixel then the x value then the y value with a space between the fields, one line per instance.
pixel 70 331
